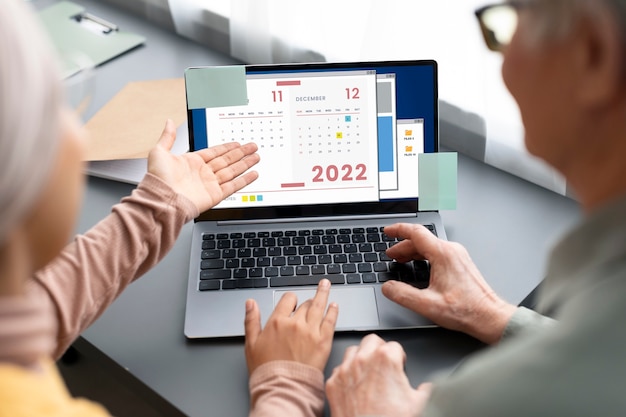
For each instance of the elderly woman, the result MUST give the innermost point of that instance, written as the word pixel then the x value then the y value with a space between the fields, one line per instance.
pixel 50 292
pixel 565 64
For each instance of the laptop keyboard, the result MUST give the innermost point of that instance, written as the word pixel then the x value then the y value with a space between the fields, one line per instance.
pixel 303 257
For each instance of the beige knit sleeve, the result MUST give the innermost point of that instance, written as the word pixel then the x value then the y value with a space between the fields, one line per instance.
pixel 286 388
pixel 97 266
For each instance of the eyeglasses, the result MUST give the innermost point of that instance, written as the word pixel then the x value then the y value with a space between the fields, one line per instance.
pixel 498 23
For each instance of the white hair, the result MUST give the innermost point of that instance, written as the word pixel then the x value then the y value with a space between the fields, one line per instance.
pixel 30 105
pixel 562 15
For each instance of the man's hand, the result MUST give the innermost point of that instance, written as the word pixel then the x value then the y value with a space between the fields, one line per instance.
pixel 458 297
pixel 371 382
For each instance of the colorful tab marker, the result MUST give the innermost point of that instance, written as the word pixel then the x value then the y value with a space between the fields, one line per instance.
pixel 216 86
pixel 437 180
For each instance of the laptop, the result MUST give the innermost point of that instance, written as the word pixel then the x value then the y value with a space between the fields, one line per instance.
pixel 339 146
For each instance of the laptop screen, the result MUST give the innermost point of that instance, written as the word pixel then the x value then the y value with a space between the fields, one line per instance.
pixel 334 138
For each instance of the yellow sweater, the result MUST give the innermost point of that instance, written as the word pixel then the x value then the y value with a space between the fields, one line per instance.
pixel 28 393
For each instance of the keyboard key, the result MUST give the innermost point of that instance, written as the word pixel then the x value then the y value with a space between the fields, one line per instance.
pixel 305 250
pixel 335 249
pixel 365 247
pixel 271 271
pixel 340 258
pixel 370 257
pixel 353 278
pixel 329 239
pixel 209 285
pixel 324 259
pixel 245 283
pixel 294 260
pixel 208 244
pixel 232 263
pixel 333 269
pixel 247 262
pixel 274 251
pixel 255 272
pixel 229 284
pixel 212 264
pixel 318 269
pixel 380 266
pixel 387 276
pixel 343 239
pixel 211 274
pixel 358 238
pixel 279 261
pixel 260 282
pixel 350 248
pixel 303 270
pixel 355 258
pixel 210 254
pixel 304 280
pixel 258 252
pixel 285 271
pixel 263 262
pixel 368 278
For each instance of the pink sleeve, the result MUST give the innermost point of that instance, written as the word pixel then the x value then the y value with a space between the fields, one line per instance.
pixel 285 388
pixel 94 269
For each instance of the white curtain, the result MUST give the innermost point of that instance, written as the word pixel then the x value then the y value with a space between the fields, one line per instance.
pixel 269 31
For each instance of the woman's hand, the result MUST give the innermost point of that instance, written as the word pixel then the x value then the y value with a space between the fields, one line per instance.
pixel 206 176
pixel 304 335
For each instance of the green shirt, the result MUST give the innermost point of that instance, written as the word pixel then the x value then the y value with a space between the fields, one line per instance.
pixel 574 366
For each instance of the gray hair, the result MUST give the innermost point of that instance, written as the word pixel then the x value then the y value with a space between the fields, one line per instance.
pixel 562 14
pixel 30 105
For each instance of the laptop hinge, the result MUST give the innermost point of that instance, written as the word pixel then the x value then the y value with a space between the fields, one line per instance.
pixel 317 219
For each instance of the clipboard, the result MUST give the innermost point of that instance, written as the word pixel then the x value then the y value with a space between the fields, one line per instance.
pixel 74 31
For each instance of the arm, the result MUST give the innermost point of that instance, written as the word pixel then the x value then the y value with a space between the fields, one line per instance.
pixel 287 357
pixel 371 379
pixel 93 270
pixel 458 297
pixel 526 320
pixel 286 388
pixel 96 267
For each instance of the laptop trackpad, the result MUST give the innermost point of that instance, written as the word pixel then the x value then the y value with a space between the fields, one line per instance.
pixel 357 306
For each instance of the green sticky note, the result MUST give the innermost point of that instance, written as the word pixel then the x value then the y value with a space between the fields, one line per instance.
pixel 216 86
pixel 437 180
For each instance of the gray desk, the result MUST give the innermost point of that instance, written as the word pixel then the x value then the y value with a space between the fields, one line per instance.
pixel 506 223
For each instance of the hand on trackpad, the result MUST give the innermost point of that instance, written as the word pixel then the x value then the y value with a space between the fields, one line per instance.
pixel 357 306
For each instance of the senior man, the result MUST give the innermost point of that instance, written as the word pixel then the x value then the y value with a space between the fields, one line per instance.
pixel 565 65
